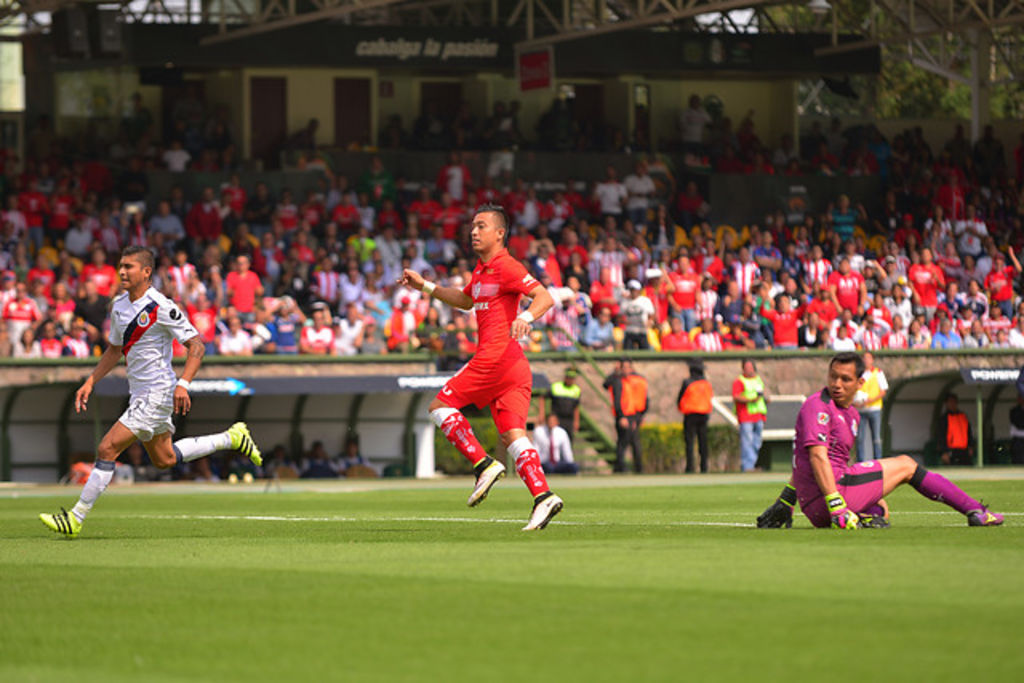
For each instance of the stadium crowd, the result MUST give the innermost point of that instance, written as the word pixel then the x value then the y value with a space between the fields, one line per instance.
pixel 633 263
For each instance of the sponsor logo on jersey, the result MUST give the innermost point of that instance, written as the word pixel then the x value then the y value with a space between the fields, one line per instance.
pixel 482 306
pixel 175 313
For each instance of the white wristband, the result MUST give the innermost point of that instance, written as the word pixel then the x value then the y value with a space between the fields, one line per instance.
pixel 428 288
pixel 526 317
pixel 185 384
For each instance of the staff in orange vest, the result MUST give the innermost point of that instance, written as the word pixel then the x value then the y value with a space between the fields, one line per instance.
pixel 628 392
pixel 695 404
pixel 955 435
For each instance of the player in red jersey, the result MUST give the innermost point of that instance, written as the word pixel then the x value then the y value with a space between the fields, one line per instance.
pixel 498 375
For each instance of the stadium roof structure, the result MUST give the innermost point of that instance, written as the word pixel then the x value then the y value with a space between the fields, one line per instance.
pixel 976 42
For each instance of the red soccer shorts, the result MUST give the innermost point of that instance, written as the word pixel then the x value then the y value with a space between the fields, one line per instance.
pixel 506 390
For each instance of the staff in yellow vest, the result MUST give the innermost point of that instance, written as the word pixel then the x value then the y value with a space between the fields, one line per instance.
pixel 869 404
pixel 628 392
pixel 695 404
pixel 955 436
pixel 750 397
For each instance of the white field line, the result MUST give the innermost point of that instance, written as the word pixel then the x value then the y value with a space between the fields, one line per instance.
pixel 472 520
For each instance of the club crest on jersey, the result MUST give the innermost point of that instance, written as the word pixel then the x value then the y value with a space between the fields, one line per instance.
pixel 823 418
pixel 144 319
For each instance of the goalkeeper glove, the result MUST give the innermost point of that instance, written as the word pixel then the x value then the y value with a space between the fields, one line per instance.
pixel 779 514
pixel 842 516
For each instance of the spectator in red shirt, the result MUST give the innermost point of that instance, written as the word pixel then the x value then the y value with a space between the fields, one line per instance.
pixel 318 339
pixel 686 282
pixel 602 293
pixel 425 208
pixel 236 193
pixel 20 312
pixel 243 286
pixel 950 196
pixel 49 343
pixel 677 339
pixel 100 272
pixel 999 281
pixel 35 206
pixel 42 272
pixel 785 321
pixel 203 222
pixel 926 279
pixel 848 288
pixel 203 316
pixel 346 215
pixel 62 206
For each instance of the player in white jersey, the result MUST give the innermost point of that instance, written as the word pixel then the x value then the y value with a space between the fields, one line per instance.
pixel 143 327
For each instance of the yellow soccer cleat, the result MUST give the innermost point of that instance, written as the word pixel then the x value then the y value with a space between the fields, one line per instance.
pixel 241 441
pixel 63 523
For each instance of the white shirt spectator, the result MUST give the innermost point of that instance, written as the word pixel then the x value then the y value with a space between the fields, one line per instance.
pixel 638 313
pixel 640 188
pixel 692 123
pixel 610 195
pixel 235 343
pixel 176 160
pixel 77 240
pixel 345 337
pixel 967 242
pixel 554 447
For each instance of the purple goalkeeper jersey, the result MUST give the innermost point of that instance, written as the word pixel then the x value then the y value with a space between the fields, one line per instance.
pixel 822 423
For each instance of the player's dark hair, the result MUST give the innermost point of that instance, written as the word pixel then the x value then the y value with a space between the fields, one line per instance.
pixel 499 211
pixel 847 357
pixel 144 255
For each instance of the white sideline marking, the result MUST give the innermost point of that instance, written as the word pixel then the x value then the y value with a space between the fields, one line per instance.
pixel 476 520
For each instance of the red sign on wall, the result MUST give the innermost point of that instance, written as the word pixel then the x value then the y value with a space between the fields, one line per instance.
pixel 536 69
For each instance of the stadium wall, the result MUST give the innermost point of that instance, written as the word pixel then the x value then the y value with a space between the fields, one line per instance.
pixel 36 411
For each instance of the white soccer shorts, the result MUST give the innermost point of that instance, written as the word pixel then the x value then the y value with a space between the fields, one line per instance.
pixel 149 415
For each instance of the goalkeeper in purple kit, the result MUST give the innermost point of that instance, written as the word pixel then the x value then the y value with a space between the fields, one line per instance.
pixel 833 493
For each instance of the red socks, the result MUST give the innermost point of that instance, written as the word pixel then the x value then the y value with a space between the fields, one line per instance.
pixel 456 429
pixel 528 466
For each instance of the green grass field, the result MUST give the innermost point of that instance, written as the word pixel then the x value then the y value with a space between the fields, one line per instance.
pixel 641 579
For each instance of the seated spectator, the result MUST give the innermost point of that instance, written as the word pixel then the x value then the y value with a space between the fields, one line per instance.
pixel 235 341
pixel 946 337
pixel 554 446
pixel 318 338
pixel 677 339
pixel 318 464
pixel 348 332
pixel 351 457
pixel 598 334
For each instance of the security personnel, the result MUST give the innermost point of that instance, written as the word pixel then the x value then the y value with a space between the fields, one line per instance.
pixel 628 392
pixel 565 402
pixel 955 434
pixel 695 404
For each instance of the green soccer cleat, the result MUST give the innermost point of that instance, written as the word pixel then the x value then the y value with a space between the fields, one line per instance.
pixel 63 523
pixel 241 441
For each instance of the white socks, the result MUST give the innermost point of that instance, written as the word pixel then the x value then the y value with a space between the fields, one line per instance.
pixel 102 473
pixel 197 447
pixel 441 414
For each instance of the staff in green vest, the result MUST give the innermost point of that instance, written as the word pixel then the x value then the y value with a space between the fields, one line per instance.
pixel 751 400
pixel 565 402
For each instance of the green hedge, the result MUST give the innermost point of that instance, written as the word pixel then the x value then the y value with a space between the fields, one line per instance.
pixel 665 448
